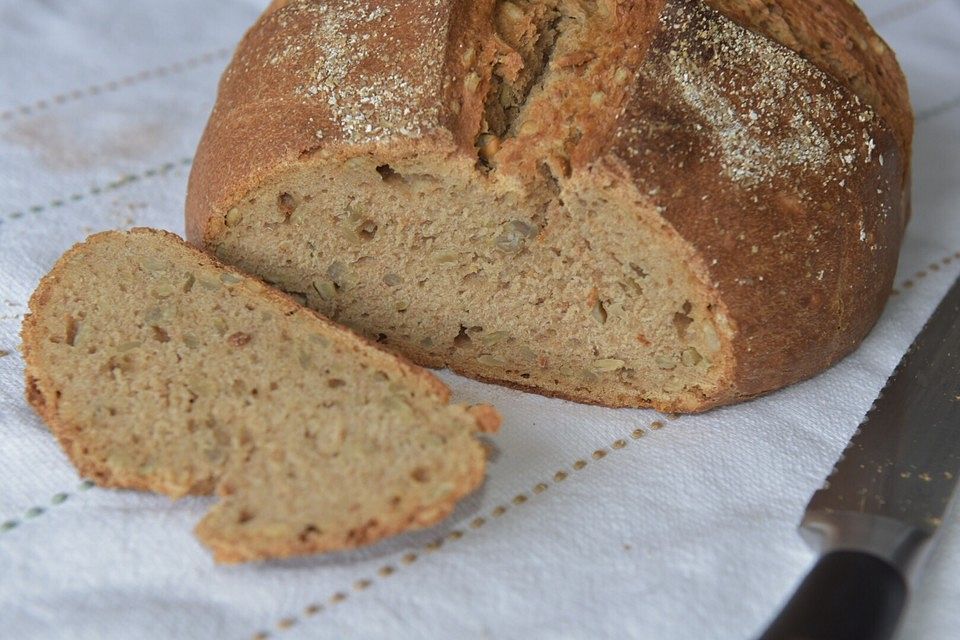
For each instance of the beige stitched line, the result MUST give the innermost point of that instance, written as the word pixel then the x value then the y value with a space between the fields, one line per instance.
pixel 96 190
pixel 901 11
pixel 114 85
pixel 933 267
pixel 36 511
pixel 477 522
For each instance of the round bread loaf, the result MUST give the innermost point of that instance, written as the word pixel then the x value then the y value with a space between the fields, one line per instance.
pixel 667 203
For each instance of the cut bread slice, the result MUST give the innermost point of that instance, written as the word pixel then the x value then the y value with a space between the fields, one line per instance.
pixel 159 369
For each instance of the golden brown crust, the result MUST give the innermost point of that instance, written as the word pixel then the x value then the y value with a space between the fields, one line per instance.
pixel 801 261
pixel 800 243
pixel 279 103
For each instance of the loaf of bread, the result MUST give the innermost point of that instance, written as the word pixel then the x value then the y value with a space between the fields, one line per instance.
pixel 159 369
pixel 667 203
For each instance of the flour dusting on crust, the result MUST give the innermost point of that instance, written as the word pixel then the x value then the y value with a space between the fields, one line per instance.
pixel 767 122
pixel 356 62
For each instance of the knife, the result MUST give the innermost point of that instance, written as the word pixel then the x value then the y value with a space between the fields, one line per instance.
pixel 876 514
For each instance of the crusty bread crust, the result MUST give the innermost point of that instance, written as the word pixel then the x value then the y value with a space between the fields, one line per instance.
pixel 799 280
pixel 43 395
pixel 803 281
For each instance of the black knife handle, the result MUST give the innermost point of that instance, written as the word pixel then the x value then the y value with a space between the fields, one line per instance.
pixel 848 595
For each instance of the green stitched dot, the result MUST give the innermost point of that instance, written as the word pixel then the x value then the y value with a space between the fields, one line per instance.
pixel 9 524
pixel 60 498
pixel 16 214
pixel 76 196
pixel 56 203
pixel 33 512
pixel 86 484
pixel 36 209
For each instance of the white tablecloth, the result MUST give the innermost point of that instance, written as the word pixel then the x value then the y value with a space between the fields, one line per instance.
pixel 582 530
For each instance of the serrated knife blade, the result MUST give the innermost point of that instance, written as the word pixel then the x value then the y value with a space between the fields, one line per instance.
pixel 878 510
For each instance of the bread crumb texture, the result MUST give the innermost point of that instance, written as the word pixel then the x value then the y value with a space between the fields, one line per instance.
pixel 674 204
pixel 159 369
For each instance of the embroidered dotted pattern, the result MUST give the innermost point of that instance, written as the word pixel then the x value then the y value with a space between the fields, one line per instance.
pixel 38 510
pixel 115 85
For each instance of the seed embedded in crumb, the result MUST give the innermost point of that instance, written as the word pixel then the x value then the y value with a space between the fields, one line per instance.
pixel 607 365
pixel 305 359
pixel 599 312
pixel 514 235
pixel 233 217
pixel 209 285
pixel 711 338
pixel 392 280
pixel 510 14
pixel 488 145
pixel 163 290
pixel 667 363
pixel 325 289
pixel 690 357
pixel 597 98
pixel 471 82
pixel 529 128
pixel 621 76
pixel 337 272
pixel 469 57
pixel 491 361
pixel 152 264
pixel 229 278
pixel 447 257
pixel 493 338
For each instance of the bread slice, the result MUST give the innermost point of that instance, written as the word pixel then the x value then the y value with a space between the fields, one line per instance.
pixel 158 368
pixel 673 203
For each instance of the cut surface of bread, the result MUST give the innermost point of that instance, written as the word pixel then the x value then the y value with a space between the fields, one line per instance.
pixel 673 203
pixel 159 369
